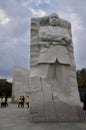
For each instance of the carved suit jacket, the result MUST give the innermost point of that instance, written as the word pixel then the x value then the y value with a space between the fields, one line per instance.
pixel 54 41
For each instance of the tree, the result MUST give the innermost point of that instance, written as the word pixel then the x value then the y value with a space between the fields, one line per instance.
pixel 5 87
pixel 81 77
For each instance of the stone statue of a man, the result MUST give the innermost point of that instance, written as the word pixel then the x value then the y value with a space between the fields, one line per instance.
pixel 54 41
pixel 53 85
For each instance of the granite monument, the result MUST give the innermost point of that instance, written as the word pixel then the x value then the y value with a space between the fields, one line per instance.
pixel 20 86
pixel 53 84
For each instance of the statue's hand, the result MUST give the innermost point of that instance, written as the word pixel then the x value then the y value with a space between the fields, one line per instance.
pixel 46 44
pixel 55 43
pixel 70 40
pixel 67 40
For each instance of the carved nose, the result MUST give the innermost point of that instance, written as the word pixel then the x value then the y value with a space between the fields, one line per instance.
pixel 54 18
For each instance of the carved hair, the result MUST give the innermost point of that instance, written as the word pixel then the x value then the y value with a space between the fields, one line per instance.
pixel 54 14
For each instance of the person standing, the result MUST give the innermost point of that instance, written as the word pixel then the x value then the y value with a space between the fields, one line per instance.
pixel 23 99
pixel 84 105
pixel 3 104
pixel 28 101
pixel 6 103
pixel 20 102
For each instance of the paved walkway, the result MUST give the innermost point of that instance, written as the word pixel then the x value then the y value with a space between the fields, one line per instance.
pixel 13 118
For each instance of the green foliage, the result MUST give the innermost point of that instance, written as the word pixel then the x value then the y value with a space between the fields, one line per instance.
pixel 81 78
pixel 5 87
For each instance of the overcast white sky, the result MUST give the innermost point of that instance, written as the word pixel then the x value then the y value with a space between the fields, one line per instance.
pixel 15 18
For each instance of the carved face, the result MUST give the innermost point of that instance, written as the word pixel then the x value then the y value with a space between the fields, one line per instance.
pixel 54 20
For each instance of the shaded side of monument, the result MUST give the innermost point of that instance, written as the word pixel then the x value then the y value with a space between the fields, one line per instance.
pixel 20 85
pixel 53 84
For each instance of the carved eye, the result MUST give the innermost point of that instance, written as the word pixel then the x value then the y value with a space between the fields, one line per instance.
pixel 54 17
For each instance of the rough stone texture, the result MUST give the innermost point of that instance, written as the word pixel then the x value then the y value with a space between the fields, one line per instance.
pixel 53 85
pixel 20 85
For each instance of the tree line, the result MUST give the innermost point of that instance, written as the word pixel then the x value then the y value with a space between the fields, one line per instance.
pixel 5 88
pixel 81 78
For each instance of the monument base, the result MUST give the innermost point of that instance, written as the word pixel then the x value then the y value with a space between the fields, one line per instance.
pixel 48 104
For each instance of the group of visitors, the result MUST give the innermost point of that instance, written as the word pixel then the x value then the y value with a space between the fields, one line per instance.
pixel 22 101
pixel 4 102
